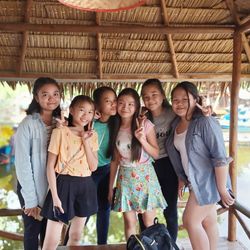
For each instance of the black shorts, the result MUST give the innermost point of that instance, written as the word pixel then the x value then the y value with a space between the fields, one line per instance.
pixel 77 194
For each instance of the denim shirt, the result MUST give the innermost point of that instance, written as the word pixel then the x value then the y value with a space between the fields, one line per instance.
pixel 31 159
pixel 206 151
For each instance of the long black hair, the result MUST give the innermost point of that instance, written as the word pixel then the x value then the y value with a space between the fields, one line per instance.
pixel 189 88
pixel 79 99
pixel 34 106
pixel 97 96
pixel 135 144
pixel 156 83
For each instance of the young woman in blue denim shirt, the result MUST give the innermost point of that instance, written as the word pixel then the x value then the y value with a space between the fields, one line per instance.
pixel 31 142
pixel 196 149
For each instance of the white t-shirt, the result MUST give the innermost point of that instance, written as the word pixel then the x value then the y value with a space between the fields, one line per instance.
pixel 123 144
pixel 179 143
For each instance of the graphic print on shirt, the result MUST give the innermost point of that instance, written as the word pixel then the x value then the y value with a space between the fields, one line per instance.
pixel 123 144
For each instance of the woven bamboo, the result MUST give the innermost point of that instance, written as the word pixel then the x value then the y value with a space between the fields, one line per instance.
pixel 48 38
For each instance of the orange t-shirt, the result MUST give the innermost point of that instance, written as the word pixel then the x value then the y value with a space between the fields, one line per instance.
pixel 70 151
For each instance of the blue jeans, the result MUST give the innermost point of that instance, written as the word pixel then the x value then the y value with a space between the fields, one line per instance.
pixel 32 228
pixel 101 179
pixel 169 185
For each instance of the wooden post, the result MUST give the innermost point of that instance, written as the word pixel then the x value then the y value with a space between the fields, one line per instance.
pixel 234 101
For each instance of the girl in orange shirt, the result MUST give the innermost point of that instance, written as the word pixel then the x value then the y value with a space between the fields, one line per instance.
pixel 71 160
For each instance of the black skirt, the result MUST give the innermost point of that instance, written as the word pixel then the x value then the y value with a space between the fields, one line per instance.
pixel 78 197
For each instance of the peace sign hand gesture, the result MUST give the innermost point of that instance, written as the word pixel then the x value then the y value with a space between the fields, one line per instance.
pixel 61 122
pixel 87 134
pixel 140 132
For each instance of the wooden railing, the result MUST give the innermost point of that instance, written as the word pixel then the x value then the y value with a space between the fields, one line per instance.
pixel 8 235
pixel 237 208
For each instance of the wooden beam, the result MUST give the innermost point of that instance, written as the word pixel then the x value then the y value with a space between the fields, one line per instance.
pixel 23 52
pixel 199 29
pixel 99 45
pixel 217 77
pixel 246 46
pixel 234 102
pixel 244 27
pixel 10 212
pixel 170 40
pixel 245 19
pixel 25 37
pixel 11 236
pixel 233 11
pixel 243 223
pixel 28 12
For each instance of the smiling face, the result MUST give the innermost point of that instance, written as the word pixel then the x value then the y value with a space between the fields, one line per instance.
pixel 183 104
pixel 126 106
pixel 152 98
pixel 83 113
pixel 48 97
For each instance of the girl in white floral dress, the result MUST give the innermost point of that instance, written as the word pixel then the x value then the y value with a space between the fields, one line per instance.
pixel 134 140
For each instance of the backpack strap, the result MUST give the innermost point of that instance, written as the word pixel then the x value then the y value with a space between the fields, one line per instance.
pixel 139 241
pixel 172 242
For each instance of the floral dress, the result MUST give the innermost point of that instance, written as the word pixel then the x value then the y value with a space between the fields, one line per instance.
pixel 137 185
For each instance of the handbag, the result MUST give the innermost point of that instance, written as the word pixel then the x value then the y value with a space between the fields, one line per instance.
pixel 155 237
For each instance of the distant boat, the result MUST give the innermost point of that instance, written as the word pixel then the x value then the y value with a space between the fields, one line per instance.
pixel 243 120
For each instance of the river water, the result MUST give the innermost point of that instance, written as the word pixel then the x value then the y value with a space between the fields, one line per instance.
pixel 10 200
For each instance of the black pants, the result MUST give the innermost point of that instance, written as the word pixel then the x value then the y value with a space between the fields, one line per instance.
pixel 169 185
pixel 101 179
pixel 32 228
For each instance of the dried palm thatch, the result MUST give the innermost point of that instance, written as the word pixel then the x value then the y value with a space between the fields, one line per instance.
pixel 170 40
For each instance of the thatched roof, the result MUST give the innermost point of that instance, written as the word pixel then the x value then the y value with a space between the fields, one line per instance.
pixel 170 40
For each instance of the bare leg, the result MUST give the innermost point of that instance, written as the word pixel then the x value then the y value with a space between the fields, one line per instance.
pixel 53 235
pixel 148 217
pixel 75 231
pixel 211 228
pixel 129 223
pixel 193 218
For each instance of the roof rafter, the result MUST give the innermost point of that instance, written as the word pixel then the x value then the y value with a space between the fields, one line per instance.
pixel 170 40
pixel 25 37
pixel 245 27
pixel 247 18
pixel 99 45
pixel 233 11
pixel 134 29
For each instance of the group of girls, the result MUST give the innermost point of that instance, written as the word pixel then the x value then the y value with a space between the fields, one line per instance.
pixel 149 157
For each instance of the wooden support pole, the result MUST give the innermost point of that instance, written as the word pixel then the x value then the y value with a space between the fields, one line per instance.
pixel 234 101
